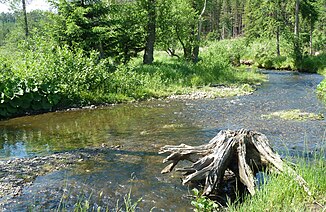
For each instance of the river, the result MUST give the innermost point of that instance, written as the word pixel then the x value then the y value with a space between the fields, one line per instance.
pixel 132 134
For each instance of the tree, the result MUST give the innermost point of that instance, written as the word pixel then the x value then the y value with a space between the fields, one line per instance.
pixel 319 37
pixel 151 32
pixel 199 29
pixel 7 21
pixel 115 29
pixel 310 16
pixel 297 51
pixel 15 4
pixel 176 25
pixel 25 18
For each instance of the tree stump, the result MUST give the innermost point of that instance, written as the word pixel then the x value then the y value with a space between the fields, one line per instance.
pixel 244 152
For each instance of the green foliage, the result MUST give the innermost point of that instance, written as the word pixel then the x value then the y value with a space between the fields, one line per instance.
pixel 113 29
pixel 176 27
pixel 262 53
pixel 321 89
pixel 202 203
pixel 7 24
pixel 47 77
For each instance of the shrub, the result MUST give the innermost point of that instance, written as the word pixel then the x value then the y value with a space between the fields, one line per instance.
pixel 45 77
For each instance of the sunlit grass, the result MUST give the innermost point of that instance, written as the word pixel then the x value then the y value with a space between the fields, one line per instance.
pixel 294 115
pixel 283 193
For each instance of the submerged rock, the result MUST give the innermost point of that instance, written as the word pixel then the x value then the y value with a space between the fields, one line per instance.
pixel 17 173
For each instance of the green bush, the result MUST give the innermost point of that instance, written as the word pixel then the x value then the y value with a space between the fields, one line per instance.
pixel 44 77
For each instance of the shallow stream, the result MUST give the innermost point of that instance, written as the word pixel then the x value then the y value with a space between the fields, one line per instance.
pixel 132 134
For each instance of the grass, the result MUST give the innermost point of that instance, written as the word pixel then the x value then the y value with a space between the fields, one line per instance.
pixel 84 204
pixel 294 115
pixel 283 193
pixel 263 53
pixel 321 89
pixel 280 192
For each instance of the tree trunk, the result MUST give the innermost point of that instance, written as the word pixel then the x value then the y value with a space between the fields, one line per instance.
pixel 25 18
pixel 297 50
pixel 243 152
pixel 310 36
pixel 200 22
pixel 278 41
pixel 151 32
pixel 296 24
pixel 236 19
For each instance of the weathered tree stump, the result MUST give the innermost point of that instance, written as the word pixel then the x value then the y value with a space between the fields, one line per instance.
pixel 244 152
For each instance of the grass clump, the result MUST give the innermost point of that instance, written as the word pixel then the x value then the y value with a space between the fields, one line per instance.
pixel 84 204
pixel 294 115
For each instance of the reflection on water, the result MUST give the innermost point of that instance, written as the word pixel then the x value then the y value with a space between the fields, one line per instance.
pixel 17 149
pixel 140 129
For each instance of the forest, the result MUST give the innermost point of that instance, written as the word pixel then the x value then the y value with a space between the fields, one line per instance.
pixel 95 52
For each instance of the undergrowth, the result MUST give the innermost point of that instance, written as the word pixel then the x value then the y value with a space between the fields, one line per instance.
pixel 39 76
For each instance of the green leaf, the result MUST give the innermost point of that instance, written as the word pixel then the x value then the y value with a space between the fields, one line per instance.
pixel 54 99
pixel 36 105
pixel 11 110
pixel 16 102
pixel 37 97
pixel 46 105
pixel 3 112
pixel 20 92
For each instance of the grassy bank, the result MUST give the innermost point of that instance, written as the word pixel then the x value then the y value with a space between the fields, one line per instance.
pixel 39 76
pixel 262 53
pixel 282 192
pixel 321 89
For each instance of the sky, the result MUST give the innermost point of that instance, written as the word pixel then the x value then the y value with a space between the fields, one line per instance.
pixel 31 5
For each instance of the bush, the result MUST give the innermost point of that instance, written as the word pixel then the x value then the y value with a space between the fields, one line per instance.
pixel 45 77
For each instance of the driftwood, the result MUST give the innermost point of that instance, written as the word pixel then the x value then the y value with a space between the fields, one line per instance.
pixel 243 152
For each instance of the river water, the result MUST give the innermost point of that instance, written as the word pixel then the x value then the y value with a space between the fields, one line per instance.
pixel 137 131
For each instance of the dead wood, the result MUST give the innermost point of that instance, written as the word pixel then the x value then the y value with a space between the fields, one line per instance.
pixel 244 152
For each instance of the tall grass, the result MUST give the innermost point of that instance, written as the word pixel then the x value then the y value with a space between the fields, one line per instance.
pixel 281 192
pixel 84 204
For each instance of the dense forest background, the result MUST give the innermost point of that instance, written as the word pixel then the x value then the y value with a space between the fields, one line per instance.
pixel 91 51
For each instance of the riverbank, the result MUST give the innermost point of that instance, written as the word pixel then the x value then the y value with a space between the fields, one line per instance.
pixel 41 80
pixel 279 192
